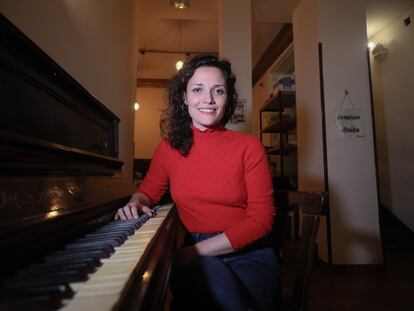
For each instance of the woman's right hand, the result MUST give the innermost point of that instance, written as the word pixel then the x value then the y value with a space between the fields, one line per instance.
pixel 137 205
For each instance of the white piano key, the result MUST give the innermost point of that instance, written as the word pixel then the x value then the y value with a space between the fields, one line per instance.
pixel 93 303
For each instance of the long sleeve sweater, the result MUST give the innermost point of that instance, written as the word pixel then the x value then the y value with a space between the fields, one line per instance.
pixel 223 185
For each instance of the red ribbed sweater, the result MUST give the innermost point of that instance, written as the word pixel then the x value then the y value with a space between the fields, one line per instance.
pixel 223 185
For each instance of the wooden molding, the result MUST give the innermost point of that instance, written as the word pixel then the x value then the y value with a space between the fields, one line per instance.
pixel 156 83
pixel 282 40
pixel 186 52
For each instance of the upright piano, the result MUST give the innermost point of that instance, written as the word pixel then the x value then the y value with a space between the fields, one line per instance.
pixel 60 186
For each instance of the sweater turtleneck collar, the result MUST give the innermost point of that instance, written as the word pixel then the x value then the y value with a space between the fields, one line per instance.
pixel 216 129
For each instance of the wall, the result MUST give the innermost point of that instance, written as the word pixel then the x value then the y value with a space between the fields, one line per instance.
pixel 341 27
pixel 147 127
pixel 260 95
pixel 393 107
pixel 95 42
pixel 235 44
pixel 308 111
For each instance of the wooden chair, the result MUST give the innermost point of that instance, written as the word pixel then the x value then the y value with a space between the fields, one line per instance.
pixel 311 206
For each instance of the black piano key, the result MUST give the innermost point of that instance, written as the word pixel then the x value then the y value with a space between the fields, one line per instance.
pixel 35 303
pixel 65 257
pixel 96 262
pixel 86 265
pixel 54 272
pixel 121 223
pixel 43 273
pixel 61 291
pixel 77 244
pixel 49 281
pixel 104 248
pixel 127 230
pixel 132 223
pixel 119 234
pixel 27 274
pixel 114 228
pixel 110 240
pixel 113 242
pixel 104 235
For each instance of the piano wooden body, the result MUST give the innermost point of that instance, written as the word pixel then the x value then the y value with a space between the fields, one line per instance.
pixel 60 179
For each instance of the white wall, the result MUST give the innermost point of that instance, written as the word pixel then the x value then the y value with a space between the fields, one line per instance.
pixel 147 121
pixel 340 26
pixel 308 107
pixel 393 106
pixel 235 44
pixel 95 42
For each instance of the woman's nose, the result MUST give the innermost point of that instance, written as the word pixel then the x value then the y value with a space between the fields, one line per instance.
pixel 209 98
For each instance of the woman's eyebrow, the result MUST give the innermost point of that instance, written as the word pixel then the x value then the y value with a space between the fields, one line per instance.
pixel 202 84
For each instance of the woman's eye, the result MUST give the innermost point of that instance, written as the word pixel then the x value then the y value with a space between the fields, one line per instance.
pixel 197 90
pixel 219 91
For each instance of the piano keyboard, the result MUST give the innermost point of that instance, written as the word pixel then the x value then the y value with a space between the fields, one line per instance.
pixel 103 289
pixel 89 273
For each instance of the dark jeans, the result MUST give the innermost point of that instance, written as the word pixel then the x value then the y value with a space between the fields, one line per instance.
pixel 246 280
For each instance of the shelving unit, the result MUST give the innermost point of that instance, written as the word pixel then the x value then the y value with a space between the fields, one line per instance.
pixel 281 126
pixel 282 100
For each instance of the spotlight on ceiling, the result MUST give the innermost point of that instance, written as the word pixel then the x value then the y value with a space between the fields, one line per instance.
pixel 180 4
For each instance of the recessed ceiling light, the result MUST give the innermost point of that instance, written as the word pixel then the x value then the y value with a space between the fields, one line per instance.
pixel 180 4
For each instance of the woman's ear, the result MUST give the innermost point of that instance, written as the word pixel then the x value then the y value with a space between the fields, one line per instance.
pixel 185 99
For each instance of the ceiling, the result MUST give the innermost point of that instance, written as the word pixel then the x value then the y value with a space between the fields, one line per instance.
pixel 164 28
pixel 380 13
pixel 159 29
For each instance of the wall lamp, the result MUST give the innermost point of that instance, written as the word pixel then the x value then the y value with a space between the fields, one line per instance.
pixel 378 51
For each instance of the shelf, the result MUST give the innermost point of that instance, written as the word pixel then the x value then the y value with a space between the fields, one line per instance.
pixel 278 127
pixel 277 117
pixel 282 100
pixel 286 149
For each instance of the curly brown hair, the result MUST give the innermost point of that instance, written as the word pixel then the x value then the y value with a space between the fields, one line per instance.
pixel 175 120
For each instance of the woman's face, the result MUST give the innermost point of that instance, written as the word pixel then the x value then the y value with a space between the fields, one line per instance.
pixel 206 97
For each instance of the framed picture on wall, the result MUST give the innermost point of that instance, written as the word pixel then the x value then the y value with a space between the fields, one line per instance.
pixel 239 113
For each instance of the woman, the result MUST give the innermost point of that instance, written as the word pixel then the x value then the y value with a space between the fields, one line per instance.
pixel 220 182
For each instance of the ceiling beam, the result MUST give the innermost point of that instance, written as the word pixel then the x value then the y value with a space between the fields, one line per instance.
pixel 282 40
pixel 155 83
pixel 143 51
